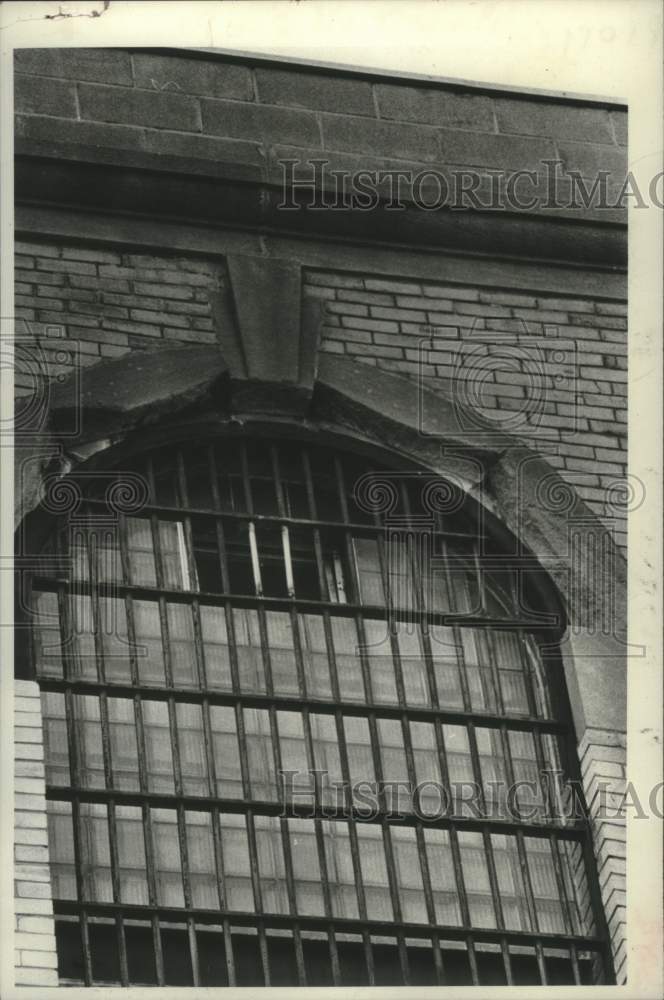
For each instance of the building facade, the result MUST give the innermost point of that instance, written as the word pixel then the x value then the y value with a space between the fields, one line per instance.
pixel 321 498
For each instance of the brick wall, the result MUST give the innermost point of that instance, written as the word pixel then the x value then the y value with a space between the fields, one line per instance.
pixel 34 938
pixel 551 370
pixel 603 759
pixel 105 303
pixel 206 108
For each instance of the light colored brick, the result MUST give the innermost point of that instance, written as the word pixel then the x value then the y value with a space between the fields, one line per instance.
pixel 35 977
pixel 396 287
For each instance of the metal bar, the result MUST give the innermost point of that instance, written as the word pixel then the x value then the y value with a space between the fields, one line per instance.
pixel 221 893
pixel 566 905
pixel 329 706
pixel 292 901
pixel 497 902
pixel 258 900
pixel 247 600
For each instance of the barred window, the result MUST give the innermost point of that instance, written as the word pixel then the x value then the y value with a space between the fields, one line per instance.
pixel 305 723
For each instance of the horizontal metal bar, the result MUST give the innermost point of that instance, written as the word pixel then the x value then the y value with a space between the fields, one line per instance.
pixel 339 924
pixel 308 810
pixel 365 528
pixel 83 587
pixel 322 706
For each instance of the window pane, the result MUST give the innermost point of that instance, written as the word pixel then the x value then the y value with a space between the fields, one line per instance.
pixel 149 649
pixel 548 905
pixel 327 759
pixel 61 853
pixel 215 648
pixel 395 768
pixel 381 664
pixel 441 872
pixel 413 666
pixel 237 865
pixel 158 753
pixel 282 653
pixel 432 800
pixel 314 656
pixel 340 873
pixel 349 668
pixel 191 743
pixel 140 552
pixel 175 566
pixel 262 774
pixel 182 645
pixel 306 868
pixel 95 853
pixel 271 866
pixel 122 737
pixel 445 653
pixel 167 859
pixel 372 591
pixel 249 654
pixel 87 727
pixel 360 758
pixel 131 855
pixel 463 788
pixel 46 634
pixel 114 639
pixel 510 883
pixel 409 874
pixel 294 755
pixel 56 751
pixel 226 754
pixel 202 867
pixel 374 872
pixel 476 879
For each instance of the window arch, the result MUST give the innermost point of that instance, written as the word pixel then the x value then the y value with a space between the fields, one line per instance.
pixel 286 693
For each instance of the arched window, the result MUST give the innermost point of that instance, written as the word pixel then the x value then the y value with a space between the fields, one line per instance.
pixel 305 723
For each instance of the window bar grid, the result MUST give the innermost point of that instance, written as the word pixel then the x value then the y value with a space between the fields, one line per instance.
pixel 430 905
pixel 141 750
pixel 463 904
pixel 327 903
pixel 115 884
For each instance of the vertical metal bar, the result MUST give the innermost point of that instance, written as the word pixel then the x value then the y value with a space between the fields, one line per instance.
pixel 292 900
pixel 327 902
pixel 530 903
pixel 258 899
pixel 565 903
pixel 463 903
pixel 66 633
pixel 215 819
pixel 141 747
pixel 497 902
pixel 115 883
pixel 430 904
pixel 393 882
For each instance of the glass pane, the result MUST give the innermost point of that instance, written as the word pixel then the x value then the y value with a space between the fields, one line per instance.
pixel 271 866
pixel 271 556
pixel 131 855
pixel 360 758
pixel 202 866
pixel 548 904
pixel 315 657
pixel 56 751
pixel 237 866
pixel 306 868
pixel 158 753
pixel 282 653
pixel 226 754
pixel 175 566
pixel 431 795
pixel 374 872
pixel 478 671
pixel 114 639
pixel 367 561
pixel 395 768
pixel 529 797
pixel 182 646
pixel 191 743
pixel 81 643
pixel 508 656
pixel 95 853
pixel 46 634
pixel 294 763
pixel 476 879
pixel 413 666
pixel 197 475
pixel 215 648
pixel 122 737
pixel 206 555
pixel 87 727
pixel 262 774
pixel 381 664
pixel 510 883
pixel 327 759
pixel 494 774
pixel 399 553
pixel 577 890
pixel 445 653
pixel 409 874
pixel 166 848
pixel 349 668
pixel 441 873
pixel 463 788
pixel 249 654
pixel 140 552
pixel 61 844
pixel 340 873
pixel 149 649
